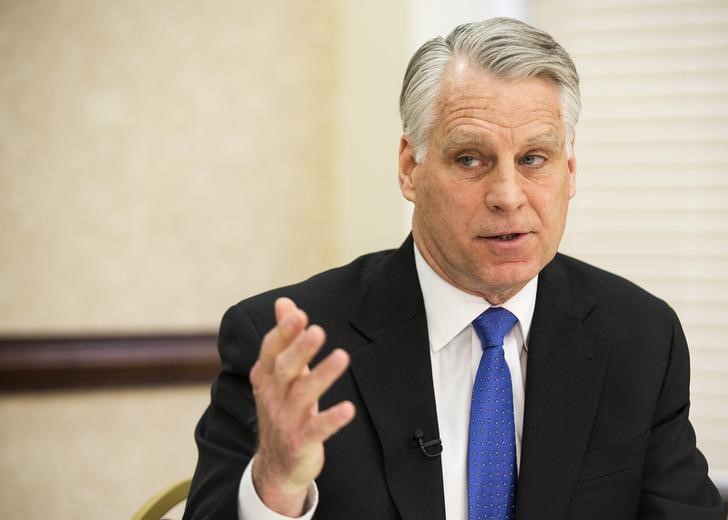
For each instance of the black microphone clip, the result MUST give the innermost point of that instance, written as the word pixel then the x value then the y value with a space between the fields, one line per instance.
pixel 437 443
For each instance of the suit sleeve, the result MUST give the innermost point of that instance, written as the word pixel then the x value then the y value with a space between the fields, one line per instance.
pixel 675 480
pixel 227 432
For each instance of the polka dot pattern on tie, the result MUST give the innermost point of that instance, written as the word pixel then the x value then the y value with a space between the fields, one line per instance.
pixel 492 475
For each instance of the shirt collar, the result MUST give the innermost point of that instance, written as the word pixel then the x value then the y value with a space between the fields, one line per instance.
pixel 449 310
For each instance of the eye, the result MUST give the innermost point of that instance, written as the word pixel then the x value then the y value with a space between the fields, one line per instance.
pixel 468 161
pixel 532 160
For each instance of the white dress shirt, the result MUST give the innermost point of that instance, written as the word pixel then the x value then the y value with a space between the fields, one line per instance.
pixel 455 353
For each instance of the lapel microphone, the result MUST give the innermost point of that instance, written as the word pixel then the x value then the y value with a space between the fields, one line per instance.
pixel 424 445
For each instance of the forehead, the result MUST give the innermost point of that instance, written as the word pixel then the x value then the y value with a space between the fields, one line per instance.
pixel 471 99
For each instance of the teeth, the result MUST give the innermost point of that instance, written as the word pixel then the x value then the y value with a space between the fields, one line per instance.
pixel 510 236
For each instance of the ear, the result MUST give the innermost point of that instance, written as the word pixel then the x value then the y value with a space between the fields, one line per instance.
pixel 407 165
pixel 571 164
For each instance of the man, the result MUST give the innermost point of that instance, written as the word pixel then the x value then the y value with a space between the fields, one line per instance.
pixel 473 372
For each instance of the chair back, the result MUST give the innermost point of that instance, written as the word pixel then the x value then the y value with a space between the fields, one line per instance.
pixel 156 507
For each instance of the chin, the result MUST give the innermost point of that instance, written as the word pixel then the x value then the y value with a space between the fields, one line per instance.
pixel 510 277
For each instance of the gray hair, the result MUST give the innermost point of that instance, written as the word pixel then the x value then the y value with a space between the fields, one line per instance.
pixel 507 48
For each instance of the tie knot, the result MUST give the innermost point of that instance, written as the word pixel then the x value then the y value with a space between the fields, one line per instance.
pixel 493 325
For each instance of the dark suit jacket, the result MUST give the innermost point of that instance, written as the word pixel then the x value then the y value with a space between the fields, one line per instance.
pixel 606 432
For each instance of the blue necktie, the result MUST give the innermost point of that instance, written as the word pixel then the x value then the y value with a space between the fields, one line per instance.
pixel 492 475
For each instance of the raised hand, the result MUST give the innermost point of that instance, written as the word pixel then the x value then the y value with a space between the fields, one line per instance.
pixel 291 427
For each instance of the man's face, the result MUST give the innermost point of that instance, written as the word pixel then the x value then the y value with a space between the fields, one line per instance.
pixel 492 193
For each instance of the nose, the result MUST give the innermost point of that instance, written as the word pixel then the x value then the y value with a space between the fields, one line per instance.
pixel 504 190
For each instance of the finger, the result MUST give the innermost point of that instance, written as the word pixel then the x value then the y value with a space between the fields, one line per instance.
pixel 293 361
pixel 283 306
pixel 330 421
pixel 255 374
pixel 309 388
pixel 292 323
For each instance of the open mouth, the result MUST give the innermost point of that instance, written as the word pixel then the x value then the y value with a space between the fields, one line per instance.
pixel 505 238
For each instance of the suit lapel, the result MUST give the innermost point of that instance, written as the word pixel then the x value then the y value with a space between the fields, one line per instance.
pixel 394 376
pixel 566 365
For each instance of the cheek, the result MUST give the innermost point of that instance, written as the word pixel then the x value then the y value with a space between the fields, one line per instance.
pixel 551 208
pixel 459 210
pixel 439 198
pixel 555 221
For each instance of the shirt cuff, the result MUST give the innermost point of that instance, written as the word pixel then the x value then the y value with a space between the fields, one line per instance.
pixel 251 507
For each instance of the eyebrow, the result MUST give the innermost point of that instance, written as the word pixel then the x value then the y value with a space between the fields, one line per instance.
pixel 457 140
pixel 460 139
pixel 547 138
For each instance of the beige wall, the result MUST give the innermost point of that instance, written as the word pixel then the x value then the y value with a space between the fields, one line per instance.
pixel 91 455
pixel 158 162
pixel 373 59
